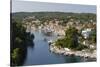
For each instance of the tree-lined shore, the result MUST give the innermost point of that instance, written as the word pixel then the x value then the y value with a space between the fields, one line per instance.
pixel 19 40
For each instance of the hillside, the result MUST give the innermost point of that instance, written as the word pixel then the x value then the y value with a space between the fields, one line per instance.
pixel 55 15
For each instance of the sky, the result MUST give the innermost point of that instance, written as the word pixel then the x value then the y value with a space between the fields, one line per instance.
pixel 32 6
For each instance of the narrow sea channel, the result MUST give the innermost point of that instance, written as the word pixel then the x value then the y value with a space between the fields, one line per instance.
pixel 39 54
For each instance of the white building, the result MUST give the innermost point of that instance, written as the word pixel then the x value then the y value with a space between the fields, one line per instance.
pixel 86 33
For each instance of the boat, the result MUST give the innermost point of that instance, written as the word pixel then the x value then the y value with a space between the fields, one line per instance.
pixel 50 42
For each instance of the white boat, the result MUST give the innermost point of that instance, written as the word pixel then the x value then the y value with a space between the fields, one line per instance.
pixel 50 42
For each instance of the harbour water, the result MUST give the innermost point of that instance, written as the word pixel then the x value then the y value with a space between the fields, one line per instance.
pixel 39 54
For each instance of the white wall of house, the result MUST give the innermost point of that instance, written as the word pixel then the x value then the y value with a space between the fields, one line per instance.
pixel 86 33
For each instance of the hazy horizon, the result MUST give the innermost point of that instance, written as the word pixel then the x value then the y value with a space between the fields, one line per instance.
pixel 32 6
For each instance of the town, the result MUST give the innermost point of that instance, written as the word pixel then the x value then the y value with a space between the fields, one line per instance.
pixel 86 30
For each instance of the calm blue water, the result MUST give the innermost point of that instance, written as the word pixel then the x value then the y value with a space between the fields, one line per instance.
pixel 40 54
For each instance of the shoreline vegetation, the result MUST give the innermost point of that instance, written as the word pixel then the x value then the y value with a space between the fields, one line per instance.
pixel 89 55
pixel 69 45
pixel 19 41
pixel 76 32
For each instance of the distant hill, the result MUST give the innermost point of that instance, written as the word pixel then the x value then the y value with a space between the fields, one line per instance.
pixel 54 15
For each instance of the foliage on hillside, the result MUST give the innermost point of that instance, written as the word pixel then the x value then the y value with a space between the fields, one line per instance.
pixel 18 42
pixel 43 16
pixel 70 40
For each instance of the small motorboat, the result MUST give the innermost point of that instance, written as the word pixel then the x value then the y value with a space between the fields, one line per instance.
pixel 50 42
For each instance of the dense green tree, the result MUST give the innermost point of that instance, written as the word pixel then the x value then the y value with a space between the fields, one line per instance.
pixel 16 55
pixel 70 40
pixel 93 36
pixel 19 38
pixel 71 36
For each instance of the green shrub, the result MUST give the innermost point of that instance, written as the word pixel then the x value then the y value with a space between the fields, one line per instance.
pixel 81 47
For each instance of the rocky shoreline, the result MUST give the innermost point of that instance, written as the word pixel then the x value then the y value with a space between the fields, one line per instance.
pixel 68 52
